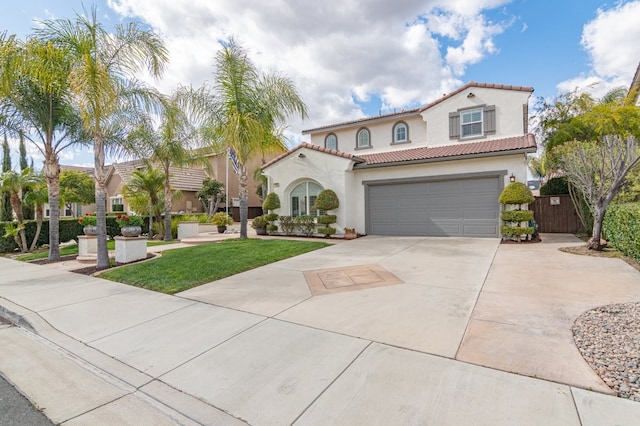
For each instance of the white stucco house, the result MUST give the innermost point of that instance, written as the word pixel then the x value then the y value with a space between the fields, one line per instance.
pixel 431 171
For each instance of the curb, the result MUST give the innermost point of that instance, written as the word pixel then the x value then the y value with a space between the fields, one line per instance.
pixel 16 319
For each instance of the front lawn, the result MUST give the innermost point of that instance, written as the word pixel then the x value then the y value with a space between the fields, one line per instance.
pixel 72 249
pixel 180 269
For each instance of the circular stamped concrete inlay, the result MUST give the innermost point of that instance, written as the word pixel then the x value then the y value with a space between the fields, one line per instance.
pixel 335 280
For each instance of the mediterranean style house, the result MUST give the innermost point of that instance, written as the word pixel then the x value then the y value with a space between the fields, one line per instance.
pixel 431 171
pixel 188 180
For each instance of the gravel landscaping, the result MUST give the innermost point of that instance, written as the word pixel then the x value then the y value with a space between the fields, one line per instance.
pixel 608 338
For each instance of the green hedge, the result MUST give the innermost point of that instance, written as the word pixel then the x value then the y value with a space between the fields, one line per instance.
pixel 69 230
pixel 516 231
pixel 622 228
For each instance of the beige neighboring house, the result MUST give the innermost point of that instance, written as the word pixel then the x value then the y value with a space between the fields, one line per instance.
pixel 431 171
pixel 188 180
pixel 635 85
pixel 75 209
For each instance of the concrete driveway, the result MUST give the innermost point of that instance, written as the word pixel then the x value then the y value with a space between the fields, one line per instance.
pixel 403 333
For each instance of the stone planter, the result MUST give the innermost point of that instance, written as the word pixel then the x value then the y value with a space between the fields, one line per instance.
pixel 222 229
pixel 90 230
pixel 130 249
pixel 131 231
pixel 187 229
pixel 350 236
pixel 261 231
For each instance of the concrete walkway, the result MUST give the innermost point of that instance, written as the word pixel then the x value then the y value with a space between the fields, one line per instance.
pixel 258 348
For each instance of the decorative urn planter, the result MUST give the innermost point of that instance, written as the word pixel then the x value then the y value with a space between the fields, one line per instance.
pixel 261 231
pixel 131 231
pixel 222 229
pixel 90 230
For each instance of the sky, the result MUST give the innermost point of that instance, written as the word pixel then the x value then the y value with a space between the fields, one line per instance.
pixel 353 58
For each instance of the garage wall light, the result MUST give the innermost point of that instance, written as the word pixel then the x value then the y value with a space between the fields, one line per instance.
pixel 512 178
pixel 301 155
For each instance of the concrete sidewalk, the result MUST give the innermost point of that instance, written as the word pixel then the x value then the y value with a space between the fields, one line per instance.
pixel 259 349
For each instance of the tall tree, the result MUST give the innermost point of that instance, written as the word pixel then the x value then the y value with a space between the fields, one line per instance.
pixel 6 214
pixel 103 82
pixel 76 187
pixel 36 99
pixel 37 197
pixel 249 113
pixel 173 141
pixel 27 209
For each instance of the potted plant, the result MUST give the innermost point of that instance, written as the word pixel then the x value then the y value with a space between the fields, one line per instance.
pixel 260 225
pixel 88 221
pixel 350 233
pixel 130 226
pixel 221 220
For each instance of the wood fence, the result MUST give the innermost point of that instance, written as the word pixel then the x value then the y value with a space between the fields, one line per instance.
pixel 555 213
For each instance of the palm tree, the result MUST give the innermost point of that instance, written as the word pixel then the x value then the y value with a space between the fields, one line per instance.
pixel 172 143
pixel 143 193
pixel 250 108
pixel 102 81
pixel 36 103
pixel 15 183
pixel 37 197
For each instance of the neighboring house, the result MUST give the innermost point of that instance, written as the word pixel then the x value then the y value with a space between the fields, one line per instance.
pixel 432 171
pixel 635 85
pixel 188 180
pixel 74 210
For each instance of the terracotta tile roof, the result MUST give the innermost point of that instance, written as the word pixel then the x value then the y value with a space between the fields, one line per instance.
pixel 525 142
pixel 185 179
pixel 402 113
pixel 315 148
pixel 481 85
pixel 418 110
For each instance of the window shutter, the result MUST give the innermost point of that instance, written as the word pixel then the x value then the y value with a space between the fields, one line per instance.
pixel 490 119
pixel 454 125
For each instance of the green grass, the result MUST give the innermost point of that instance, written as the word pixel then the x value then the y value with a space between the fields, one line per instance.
pixel 180 269
pixel 73 249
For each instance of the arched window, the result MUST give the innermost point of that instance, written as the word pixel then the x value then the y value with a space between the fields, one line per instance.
pixel 363 138
pixel 400 132
pixel 331 141
pixel 303 197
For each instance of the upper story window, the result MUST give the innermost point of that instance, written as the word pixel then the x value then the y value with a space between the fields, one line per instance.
pixel 400 132
pixel 331 141
pixel 472 122
pixel 363 138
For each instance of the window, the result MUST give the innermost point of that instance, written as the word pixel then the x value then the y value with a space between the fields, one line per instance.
pixel 471 123
pixel 363 139
pixel 474 122
pixel 400 133
pixel 117 205
pixel 303 197
pixel 331 141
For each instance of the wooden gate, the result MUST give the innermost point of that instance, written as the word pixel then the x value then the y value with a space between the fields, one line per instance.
pixel 555 213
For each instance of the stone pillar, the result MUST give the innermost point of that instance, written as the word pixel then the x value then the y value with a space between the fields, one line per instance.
pixel 130 249
pixel 187 229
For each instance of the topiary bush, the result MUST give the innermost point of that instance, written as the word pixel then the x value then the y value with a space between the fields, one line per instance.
pixel 327 200
pixel 271 202
pixel 622 227
pixel 555 186
pixel 515 195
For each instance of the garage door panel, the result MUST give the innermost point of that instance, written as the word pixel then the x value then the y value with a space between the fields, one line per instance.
pixel 463 207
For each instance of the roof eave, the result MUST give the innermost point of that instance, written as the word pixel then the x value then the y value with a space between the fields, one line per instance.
pixel 449 158
pixel 363 121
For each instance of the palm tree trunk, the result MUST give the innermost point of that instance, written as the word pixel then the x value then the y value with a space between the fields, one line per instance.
pixel 51 172
pixel 167 206
pixel 244 197
pixel 39 215
pixel 101 201
pixel 16 205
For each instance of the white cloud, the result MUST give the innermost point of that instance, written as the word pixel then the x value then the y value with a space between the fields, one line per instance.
pixel 611 40
pixel 336 51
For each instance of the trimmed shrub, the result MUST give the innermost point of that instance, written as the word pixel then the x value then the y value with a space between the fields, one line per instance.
pixel 327 231
pixel 306 224
pixel 516 215
pixel 516 193
pixel 622 227
pixel 516 231
pixel 326 200
pixel 287 224
pixel 272 228
pixel 327 219
pixel 271 217
pixel 271 202
pixel 259 222
pixel 555 186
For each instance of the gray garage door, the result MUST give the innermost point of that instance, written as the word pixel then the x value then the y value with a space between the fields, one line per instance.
pixel 461 207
